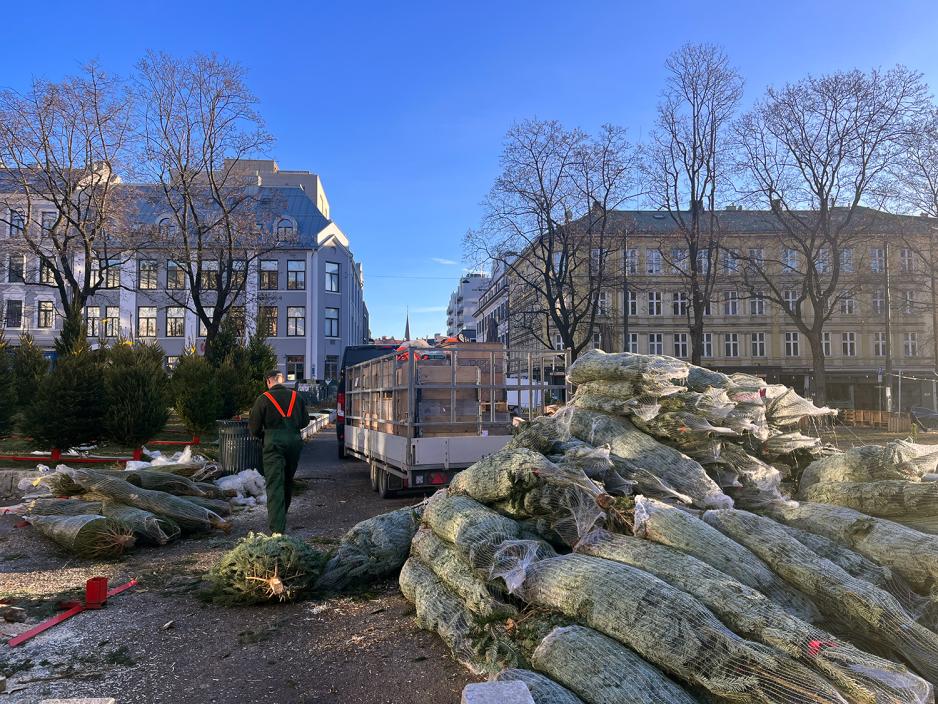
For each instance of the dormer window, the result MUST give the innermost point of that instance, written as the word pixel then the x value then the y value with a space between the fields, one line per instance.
pixel 167 228
pixel 285 228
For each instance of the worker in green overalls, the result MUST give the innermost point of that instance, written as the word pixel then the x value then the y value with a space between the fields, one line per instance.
pixel 277 417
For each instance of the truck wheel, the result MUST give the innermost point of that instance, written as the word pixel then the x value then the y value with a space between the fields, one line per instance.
pixel 383 491
pixel 374 477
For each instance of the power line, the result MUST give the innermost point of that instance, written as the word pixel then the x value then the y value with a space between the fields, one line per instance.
pixel 410 276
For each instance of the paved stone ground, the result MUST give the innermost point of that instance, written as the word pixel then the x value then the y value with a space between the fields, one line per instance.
pixel 158 643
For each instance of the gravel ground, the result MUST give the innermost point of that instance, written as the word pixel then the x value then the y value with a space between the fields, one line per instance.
pixel 158 643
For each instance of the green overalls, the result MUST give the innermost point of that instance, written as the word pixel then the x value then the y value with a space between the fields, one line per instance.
pixel 280 424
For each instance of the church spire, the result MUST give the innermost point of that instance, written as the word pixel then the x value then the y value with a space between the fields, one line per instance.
pixel 407 327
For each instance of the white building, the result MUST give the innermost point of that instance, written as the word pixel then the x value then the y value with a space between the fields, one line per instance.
pixel 463 302
pixel 311 291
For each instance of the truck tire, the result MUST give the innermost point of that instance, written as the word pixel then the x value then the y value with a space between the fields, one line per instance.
pixel 383 491
pixel 374 477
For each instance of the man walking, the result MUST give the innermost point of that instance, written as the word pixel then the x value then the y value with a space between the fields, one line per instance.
pixel 277 417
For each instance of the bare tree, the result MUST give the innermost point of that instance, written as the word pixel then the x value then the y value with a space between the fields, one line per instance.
pixel 62 146
pixel 917 173
pixel 687 166
pixel 816 152
pixel 199 123
pixel 547 223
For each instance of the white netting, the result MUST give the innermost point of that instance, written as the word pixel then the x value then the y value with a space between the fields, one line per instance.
pixel 543 689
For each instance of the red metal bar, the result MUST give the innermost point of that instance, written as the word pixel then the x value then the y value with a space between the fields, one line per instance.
pixel 122 588
pixel 45 625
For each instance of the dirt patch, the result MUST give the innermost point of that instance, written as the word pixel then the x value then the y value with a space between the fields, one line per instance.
pixel 159 643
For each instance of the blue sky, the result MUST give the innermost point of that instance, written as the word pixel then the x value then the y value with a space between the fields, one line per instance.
pixel 401 107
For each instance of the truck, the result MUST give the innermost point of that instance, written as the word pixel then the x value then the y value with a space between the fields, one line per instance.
pixel 418 416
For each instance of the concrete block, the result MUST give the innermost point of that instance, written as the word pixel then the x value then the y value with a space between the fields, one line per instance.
pixel 497 693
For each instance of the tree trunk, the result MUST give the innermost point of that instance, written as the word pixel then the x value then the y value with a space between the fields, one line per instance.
pixel 820 371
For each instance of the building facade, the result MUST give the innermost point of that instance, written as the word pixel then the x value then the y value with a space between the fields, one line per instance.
pixel 308 295
pixel 647 310
pixel 463 303
pixel 491 313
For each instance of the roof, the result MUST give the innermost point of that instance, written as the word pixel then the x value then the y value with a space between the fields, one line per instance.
pixel 745 222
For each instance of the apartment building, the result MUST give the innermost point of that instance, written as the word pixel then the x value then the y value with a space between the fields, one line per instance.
pixel 491 313
pixel 308 294
pixel 746 332
pixel 463 303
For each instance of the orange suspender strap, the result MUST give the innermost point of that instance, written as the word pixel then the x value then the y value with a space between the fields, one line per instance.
pixel 289 412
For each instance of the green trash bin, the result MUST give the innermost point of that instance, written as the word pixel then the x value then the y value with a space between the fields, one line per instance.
pixel 237 448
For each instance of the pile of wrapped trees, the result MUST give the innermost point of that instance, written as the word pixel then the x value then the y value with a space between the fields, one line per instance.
pixel 642 545
pixel 100 513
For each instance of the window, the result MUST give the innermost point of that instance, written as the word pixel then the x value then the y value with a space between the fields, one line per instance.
pixel 175 321
pixel 239 270
pixel 597 341
pixel 731 344
pixel 678 260
pixel 295 367
pixel 267 320
pixel 703 261
pixel 208 276
pixel 210 314
pixel 877 261
pixel 175 276
pixel 879 344
pixel 707 350
pixel 757 257
pixel 790 260
pixel 16 269
pixel 908 302
pixel 285 228
pixel 332 277
pixel 296 275
pixel 47 220
pixel 654 303
pixel 730 261
pixel 331 320
pixel 17 223
pixel 45 315
pixel 879 302
pixel 655 344
pixel 652 261
pixel 146 274
pixel 757 344
pixel 296 321
pixel 906 260
pixel 597 262
pixel 633 343
pixel 238 318
pixel 826 344
pixel 757 303
pixel 848 305
pixel 633 303
pixel 848 341
pixel 631 261
pixel 558 341
pixel 112 321
pixel 822 263
pixel 792 344
pixel 680 345
pixel 111 276
pixel 146 321
pixel 92 320
pixel 167 227
pixel 791 300
pixel 846 260
pixel 911 344
pixel 269 275
pixel 172 361
pixel 730 303
pixel 602 303
pixel 331 371
pixel 557 260
pixel 679 304
pixel 14 314
pixel 46 274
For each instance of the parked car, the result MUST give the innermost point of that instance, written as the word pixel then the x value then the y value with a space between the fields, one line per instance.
pixel 354 354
